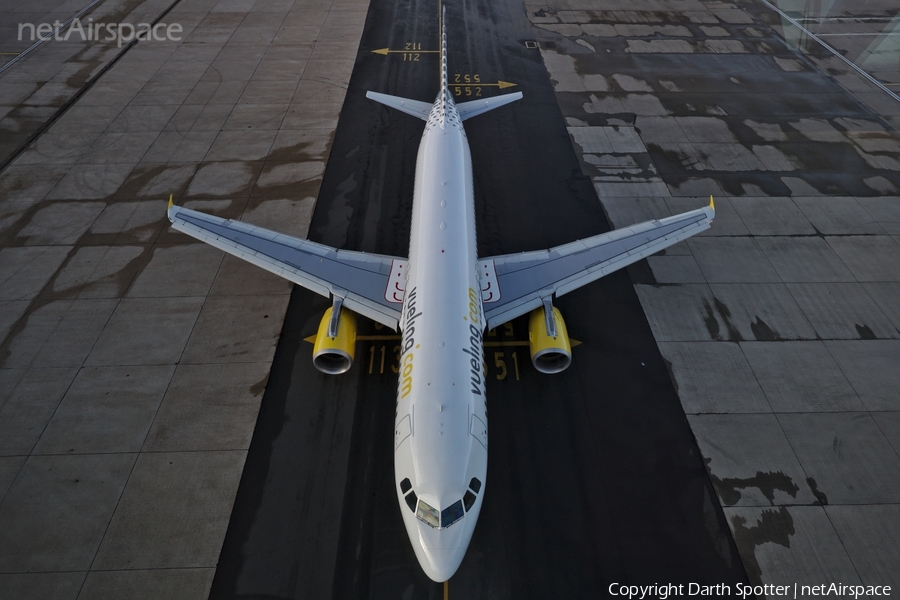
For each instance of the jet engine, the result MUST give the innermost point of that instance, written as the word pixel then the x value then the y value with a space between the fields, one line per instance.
pixel 548 339
pixel 335 341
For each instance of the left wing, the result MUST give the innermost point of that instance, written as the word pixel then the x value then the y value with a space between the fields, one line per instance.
pixel 523 280
pixel 359 278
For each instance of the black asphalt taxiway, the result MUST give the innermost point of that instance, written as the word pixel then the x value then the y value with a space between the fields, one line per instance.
pixel 594 475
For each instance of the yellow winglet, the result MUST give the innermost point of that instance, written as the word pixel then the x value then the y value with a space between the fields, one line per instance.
pixel 170 201
pixel 712 204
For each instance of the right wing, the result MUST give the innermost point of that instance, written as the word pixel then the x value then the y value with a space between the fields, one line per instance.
pixel 522 281
pixel 361 279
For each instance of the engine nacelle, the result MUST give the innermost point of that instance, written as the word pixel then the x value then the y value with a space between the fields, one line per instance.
pixel 334 355
pixel 549 353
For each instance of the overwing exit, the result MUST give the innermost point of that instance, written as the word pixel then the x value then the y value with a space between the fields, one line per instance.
pixel 443 298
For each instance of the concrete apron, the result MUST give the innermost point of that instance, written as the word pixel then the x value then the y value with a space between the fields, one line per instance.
pixel 134 359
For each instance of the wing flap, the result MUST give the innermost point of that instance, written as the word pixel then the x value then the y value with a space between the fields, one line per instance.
pixel 360 278
pixel 525 279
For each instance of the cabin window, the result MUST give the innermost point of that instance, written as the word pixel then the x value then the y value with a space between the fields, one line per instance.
pixel 452 514
pixel 429 514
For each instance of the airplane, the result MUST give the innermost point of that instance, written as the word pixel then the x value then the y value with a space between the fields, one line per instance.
pixel 443 298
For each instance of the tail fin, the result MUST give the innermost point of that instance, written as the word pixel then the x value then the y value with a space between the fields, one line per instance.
pixel 423 110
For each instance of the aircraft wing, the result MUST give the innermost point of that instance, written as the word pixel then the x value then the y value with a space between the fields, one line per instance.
pixel 524 279
pixel 361 279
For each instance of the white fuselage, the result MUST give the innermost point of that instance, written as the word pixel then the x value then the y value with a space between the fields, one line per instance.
pixel 441 421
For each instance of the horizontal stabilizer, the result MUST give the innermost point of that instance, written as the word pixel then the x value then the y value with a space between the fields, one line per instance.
pixel 410 107
pixel 476 107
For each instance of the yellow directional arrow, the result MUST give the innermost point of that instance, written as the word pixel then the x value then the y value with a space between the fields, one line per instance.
pixel 500 84
pixel 386 51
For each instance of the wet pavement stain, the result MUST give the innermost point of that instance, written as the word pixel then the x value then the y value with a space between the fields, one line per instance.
pixel 46 114
pixel 775 526
pixel 258 388
pixel 45 223
pixel 312 150
pixel 93 56
pixel 122 278
pixel 821 498
pixel 767 483
pixel 289 180
pixel 299 194
pixel 793 164
pixel 19 123
pixel 712 323
pixel 24 123
pixel 149 181
pixel 865 333
pixel 709 319
pixel 22 323
pixel 48 295
pixel 224 179
pixel 733 334
pixel 762 332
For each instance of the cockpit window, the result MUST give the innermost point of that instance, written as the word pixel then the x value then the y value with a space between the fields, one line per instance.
pixel 452 514
pixel 439 519
pixel 429 514
pixel 469 500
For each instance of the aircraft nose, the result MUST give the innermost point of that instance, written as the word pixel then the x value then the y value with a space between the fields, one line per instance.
pixel 443 562
pixel 442 550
